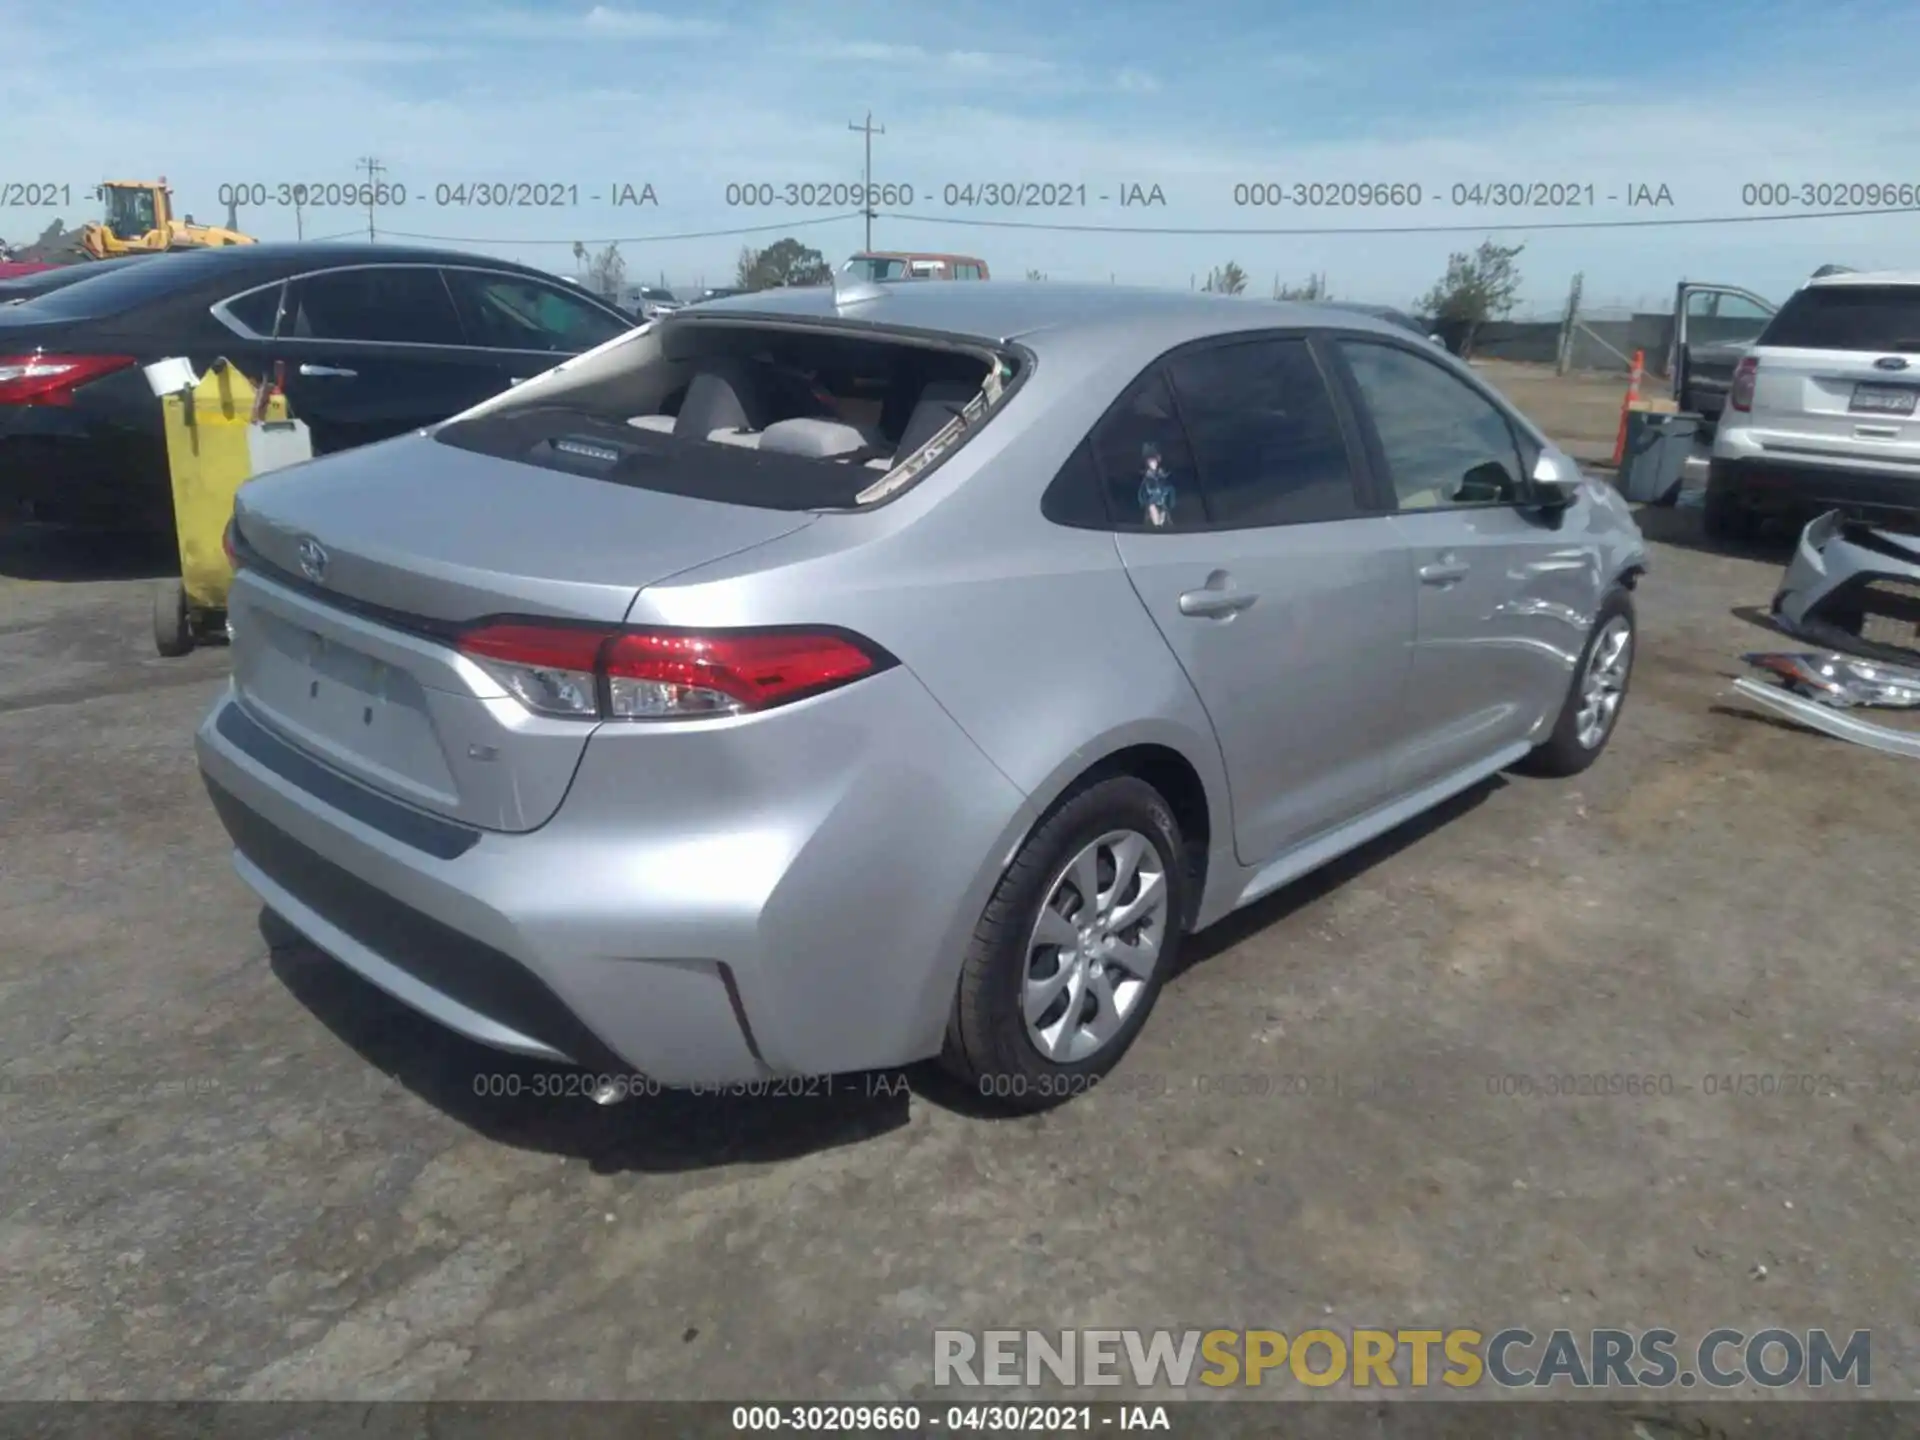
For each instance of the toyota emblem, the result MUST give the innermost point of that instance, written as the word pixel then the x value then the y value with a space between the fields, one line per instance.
pixel 313 560
pixel 1891 362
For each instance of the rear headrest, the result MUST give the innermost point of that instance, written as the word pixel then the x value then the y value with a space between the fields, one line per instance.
pixel 816 439
pixel 726 394
pixel 938 404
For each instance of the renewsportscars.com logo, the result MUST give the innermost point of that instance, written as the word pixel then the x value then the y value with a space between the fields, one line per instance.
pixel 1460 1359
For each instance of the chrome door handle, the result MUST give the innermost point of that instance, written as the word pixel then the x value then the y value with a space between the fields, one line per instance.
pixel 1444 572
pixel 1214 602
pixel 324 371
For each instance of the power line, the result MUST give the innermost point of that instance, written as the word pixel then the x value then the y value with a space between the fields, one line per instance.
pixel 1398 229
pixel 634 239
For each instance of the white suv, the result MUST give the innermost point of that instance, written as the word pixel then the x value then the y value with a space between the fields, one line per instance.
pixel 1821 413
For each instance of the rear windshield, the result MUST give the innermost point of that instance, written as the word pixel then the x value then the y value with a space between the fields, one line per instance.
pixel 774 418
pixel 118 288
pixel 1877 318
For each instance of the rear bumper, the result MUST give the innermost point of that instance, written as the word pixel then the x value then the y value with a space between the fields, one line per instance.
pixel 804 912
pixel 53 468
pixel 1765 480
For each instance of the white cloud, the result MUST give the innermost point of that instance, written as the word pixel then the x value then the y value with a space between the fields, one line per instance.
pixel 612 20
pixel 602 22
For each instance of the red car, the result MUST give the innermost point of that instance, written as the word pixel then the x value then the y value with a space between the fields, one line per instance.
pixel 13 269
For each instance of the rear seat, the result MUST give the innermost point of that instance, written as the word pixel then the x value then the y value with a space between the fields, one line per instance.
pixel 727 395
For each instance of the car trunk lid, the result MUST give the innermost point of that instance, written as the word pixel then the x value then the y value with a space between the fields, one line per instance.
pixel 1839 374
pixel 359 571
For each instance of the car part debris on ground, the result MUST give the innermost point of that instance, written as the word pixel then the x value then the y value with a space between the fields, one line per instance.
pixel 1855 589
pixel 1842 681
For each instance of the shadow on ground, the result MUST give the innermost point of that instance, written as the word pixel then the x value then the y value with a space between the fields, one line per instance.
pixel 532 1105
pixel 53 553
pixel 1680 525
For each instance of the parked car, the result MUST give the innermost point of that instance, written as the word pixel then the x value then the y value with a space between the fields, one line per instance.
pixel 649 302
pixel 658 718
pixel 45 280
pixel 715 292
pixel 374 341
pixel 1820 410
pixel 913 265
pixel 1714 326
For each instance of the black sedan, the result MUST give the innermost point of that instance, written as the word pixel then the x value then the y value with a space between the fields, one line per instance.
pixel 43 282
pixel 371 341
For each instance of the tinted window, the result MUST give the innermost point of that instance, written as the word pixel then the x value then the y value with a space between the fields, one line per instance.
pixel 390 303
pixel 1445 444
pixel 966 272
pixel 506 312
pixel 1265 434
pixel 1074 498
pixel 1876 318
pixel 258 310
pixel 1145 464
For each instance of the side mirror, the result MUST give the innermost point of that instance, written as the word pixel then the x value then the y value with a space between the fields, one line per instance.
pixel 1555 482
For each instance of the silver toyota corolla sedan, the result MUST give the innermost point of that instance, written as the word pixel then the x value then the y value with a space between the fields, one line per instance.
pixel 823 680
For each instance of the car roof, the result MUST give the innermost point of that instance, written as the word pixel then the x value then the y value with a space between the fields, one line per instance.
pixel 912 255
pixel 1002 310
pixel 1866 277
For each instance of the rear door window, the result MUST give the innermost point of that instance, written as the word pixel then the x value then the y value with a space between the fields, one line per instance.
pixel 1146 463
pixel 405 304
pixel 511 312
pixel 258 310
pixel 1265 434
pixel 1882 319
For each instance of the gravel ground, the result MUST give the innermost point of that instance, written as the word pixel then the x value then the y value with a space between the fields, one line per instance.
pixel 229 1169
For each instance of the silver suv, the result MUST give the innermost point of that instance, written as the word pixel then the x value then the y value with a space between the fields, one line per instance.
pixel 813 682
pixel 1820 414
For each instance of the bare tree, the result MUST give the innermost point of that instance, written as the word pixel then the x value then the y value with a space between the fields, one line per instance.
pixel 1313 288
pixel 1479 287
pixel 1228 279
pixel 1035 275
pixel 607 273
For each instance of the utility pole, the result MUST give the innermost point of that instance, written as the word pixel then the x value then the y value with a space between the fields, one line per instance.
pixel 1563 360
pixel 869 129
pixel 374 170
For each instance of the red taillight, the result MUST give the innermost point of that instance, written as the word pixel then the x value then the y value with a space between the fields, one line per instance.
pixel 52 379
pixel 592 674
pixel 1745 374
pixel 656 673
pixel 226 545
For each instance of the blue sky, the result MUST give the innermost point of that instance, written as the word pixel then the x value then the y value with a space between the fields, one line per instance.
pixel 1194 99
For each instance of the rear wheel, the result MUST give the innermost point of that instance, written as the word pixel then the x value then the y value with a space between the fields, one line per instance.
pixel 172 623
pixel 1072 949
pixel 1599 691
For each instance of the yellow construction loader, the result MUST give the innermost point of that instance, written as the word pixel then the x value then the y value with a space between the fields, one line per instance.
pixel 139 219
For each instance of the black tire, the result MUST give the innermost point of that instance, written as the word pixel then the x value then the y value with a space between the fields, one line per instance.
pixel 1725 514
pixel 987 1046
pixel 1563 753
pixel 172 624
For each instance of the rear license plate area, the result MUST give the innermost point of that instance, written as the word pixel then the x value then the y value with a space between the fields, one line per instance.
pixel 1882 400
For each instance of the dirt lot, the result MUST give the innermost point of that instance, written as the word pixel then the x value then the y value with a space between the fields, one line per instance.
pixel 1581 411
pixel 230 1169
